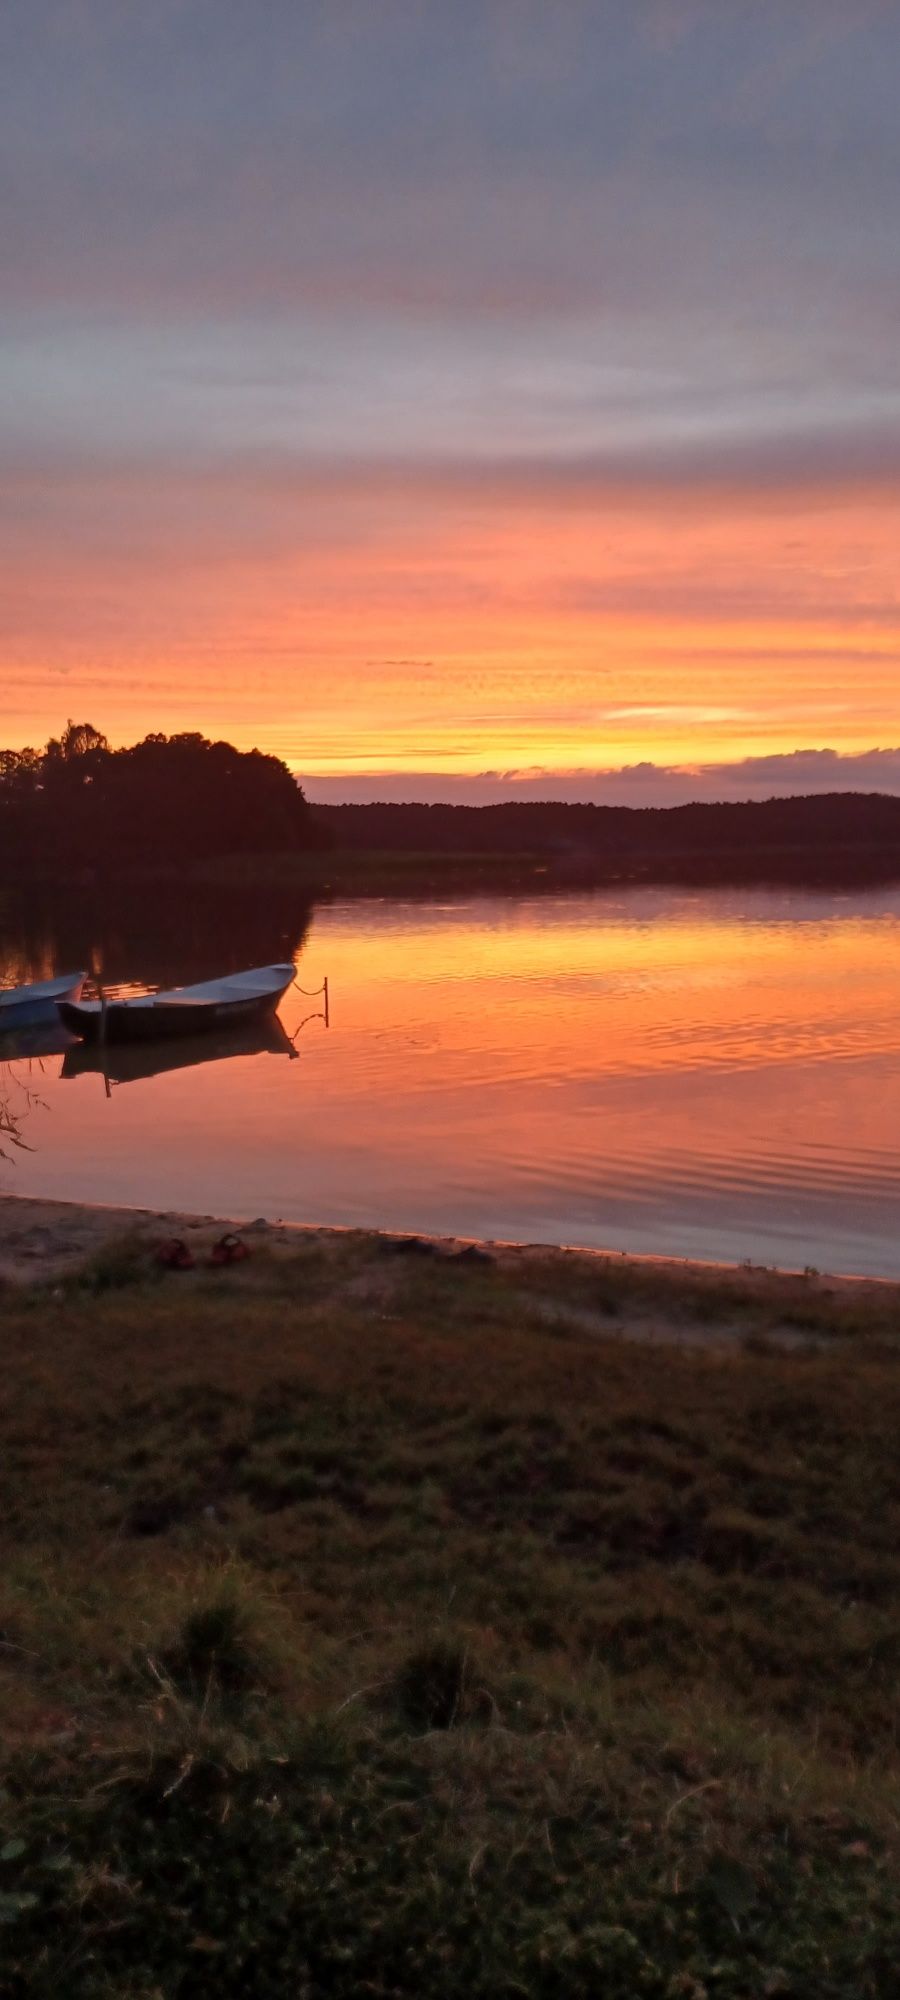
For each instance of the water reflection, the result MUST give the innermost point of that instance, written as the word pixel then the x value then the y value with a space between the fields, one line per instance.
pixel 150 934
pixel 29 1045
pixel 19 1099
pixel 707 1073
pixel 135 1062
pixel 143 937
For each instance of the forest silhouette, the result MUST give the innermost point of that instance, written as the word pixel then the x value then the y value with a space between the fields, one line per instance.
pixel 834 837
pixel 78 808
pixel 167 798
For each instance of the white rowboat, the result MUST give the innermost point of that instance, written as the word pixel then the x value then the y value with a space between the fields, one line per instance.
pixel 183 1010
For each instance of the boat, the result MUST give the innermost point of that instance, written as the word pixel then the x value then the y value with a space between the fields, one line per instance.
pixel 182 1010
pixel 38 1005
pixel 135 1062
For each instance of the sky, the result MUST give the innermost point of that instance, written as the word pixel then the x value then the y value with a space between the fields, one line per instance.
pixel 460 401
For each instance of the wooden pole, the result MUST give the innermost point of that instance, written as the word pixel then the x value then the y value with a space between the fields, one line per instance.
pixel 104 1010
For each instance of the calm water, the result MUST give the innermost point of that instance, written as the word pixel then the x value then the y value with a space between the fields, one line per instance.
pixel 714 1073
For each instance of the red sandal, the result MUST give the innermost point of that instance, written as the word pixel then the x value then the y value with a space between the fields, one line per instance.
pixel 230 1249
pixel 174 1255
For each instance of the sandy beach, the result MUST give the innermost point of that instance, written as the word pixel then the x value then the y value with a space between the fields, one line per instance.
pixel 658 1299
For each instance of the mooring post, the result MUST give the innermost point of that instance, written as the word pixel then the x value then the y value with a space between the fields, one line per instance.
pixel 104 1010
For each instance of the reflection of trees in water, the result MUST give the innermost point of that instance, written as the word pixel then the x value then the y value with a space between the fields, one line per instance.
pixel 153 933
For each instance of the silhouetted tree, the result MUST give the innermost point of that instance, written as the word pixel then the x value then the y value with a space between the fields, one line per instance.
pixel 167 798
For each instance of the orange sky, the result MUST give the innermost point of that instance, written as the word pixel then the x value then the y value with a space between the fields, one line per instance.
pixel 424 401
pixel 460 634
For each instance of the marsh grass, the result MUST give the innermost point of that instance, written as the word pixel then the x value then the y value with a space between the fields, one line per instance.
pixel 361 1633
pixel 125 1260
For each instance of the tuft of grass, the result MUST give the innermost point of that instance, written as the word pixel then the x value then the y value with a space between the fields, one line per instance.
pixel 433 1686
pixel 213 1648
pixel 118 1264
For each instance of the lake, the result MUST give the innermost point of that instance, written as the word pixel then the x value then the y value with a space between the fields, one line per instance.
pixel 712 1074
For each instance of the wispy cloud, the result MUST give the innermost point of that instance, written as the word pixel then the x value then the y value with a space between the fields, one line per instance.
pixel 644 784
pixel 552 348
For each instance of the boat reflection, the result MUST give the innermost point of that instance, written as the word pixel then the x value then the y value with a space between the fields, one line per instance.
pixel 134 1062
pixel 33 1044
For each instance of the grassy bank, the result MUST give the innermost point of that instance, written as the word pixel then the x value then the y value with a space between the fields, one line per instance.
pixel 364 872
pixel 382 872
pixel 375 1622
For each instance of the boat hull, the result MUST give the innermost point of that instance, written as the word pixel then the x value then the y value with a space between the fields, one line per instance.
pixel 163 1017
pixel 38 1006
pixel 28 1014
pixel 161 1023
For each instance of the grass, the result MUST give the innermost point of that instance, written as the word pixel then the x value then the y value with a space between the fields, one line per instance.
pixel 386 1625
pixel 368 872
pixel 362 871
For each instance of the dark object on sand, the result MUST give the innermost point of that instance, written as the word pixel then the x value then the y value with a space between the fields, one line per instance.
pixel 230 1249
pixel 407 1246
pixel 174 1255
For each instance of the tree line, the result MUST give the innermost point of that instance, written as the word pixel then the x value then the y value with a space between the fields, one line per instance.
pixel 79 805
pixel 850 838
pixel 826 820
pixel 167 798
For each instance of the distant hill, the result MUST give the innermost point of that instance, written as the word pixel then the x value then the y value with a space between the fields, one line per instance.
pixel 179 802
pixel 844 832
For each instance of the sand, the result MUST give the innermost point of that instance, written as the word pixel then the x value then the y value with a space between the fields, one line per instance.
pixel 43 1241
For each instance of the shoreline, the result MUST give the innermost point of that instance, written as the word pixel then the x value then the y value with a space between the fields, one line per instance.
pixel 44 1239
pixel 357 878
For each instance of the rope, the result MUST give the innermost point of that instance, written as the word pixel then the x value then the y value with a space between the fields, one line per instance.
pixel 311 993
pixel 302 1024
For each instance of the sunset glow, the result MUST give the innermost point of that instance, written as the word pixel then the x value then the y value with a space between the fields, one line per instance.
pixel 691 1071
pixel 457 411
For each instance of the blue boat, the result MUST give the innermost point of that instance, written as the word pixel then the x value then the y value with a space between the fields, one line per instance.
pixel 37 1006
